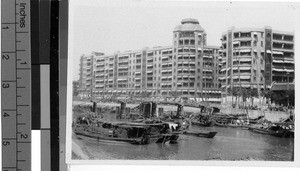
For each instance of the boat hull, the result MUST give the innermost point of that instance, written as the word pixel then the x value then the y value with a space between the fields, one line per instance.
pixel 200 134
pixel 280 133
pixel 99 136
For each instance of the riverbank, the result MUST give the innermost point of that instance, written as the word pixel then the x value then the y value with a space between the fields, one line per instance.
pixel 78 150
pixel 273 116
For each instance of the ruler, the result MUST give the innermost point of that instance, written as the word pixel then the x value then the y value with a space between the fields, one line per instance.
pixel 15 85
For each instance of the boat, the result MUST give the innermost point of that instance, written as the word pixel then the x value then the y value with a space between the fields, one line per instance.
pixel 134 133
pixel 274 130
pixel 205 134
pixel 221 124
pixel 112 132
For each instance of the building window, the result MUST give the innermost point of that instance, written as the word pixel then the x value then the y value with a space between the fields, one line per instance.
pixel 186 42
pixel 192 42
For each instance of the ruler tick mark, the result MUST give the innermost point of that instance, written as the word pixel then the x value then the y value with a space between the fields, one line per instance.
pixel 21 87
pixel 23 142
pixel 21 50
pixel 8 52
pixel 18 41
pixel 19 114
pixel 21 123
pixel 8 138
pixel 19 151
pixel 19 78
pixel 8 80
pixel 9 23
pixel 9 109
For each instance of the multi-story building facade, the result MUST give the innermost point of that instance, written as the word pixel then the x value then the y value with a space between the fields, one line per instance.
pixel 256 58
pixel 195 71
pixel 188 67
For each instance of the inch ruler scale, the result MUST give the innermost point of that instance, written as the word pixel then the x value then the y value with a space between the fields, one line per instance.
pixel 15 85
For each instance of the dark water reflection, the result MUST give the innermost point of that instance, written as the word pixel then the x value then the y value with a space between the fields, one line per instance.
pixel 228 144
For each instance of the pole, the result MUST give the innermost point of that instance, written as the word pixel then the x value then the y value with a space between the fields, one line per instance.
pixel 288 80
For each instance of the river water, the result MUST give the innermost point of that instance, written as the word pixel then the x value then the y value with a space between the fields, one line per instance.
pixel 228 144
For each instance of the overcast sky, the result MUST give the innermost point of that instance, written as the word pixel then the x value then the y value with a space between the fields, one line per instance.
pixel 107 27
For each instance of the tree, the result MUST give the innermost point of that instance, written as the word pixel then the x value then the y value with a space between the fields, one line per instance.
pixel 235 92
pixel 252 94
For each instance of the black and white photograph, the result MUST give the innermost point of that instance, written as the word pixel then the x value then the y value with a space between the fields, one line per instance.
pixel 181 81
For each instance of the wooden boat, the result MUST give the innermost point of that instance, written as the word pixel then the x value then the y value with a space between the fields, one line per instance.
pixel 200 133
pixel 134 133
pixel 221 124
pixel 274 131
pixel 116 133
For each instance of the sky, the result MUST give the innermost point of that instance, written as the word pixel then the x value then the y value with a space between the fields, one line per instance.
pixel 110 26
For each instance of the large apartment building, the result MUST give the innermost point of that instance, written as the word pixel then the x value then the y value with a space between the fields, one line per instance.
pixel 189 67
pixel 256 58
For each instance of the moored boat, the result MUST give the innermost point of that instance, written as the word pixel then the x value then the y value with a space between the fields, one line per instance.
pixel 274 130
pixel 221 124
pixel 134 133
pixel 205 134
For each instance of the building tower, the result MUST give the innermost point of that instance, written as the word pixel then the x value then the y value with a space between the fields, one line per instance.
pixel 194 61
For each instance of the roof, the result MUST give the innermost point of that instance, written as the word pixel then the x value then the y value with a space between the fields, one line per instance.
pixel 189 20
pixel 189 24
pixel 283 86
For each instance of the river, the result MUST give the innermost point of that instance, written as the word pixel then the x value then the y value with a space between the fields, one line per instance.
pixel 228 144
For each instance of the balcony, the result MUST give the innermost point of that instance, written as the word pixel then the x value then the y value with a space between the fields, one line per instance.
pixel 186 34
pixel 166 52
pixel 280 37
pixel 125 57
